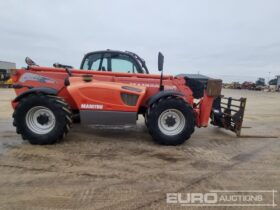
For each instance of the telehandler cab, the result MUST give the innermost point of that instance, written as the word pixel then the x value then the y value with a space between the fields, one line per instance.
pixel 113 88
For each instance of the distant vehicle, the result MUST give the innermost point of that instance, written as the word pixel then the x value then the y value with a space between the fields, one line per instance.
pixel 248 86
pixel 260 82
pixel 273 82
pixel 233 85
pixel 5 73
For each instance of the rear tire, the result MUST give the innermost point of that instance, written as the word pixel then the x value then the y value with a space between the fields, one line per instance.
pixel 42 119
pixel 170 121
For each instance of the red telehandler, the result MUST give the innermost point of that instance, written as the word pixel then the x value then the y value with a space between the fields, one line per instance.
pixel 113 88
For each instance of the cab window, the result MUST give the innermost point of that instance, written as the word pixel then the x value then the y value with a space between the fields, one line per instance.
pixel 114 62
pixel 92 62
pixel 123 63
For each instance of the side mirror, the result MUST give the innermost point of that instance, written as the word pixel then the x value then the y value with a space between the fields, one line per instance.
pixel 160 61
pixel 30 62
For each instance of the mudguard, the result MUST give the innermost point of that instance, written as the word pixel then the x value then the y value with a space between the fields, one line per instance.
pixel 161 94
pixel 45 90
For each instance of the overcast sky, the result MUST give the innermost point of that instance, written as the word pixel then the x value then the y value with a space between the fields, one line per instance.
pixel 229 39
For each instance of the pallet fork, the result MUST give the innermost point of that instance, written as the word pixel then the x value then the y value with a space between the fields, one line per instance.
pixel 228 113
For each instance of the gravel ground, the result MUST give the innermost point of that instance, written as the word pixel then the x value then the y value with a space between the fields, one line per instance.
pixel 117 168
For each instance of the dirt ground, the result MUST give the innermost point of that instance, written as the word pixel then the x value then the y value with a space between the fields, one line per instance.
pixel 116 168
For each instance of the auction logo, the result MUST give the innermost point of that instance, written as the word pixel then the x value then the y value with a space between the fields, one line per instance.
pixel 253 198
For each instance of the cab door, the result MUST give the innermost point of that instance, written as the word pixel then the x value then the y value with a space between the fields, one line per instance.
pixel 123 63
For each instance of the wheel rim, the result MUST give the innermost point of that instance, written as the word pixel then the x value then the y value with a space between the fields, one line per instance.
pixel 40 120
pixel 171 122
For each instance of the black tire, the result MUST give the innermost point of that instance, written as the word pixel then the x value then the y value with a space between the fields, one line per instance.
pixel 163 105
pixel 59 111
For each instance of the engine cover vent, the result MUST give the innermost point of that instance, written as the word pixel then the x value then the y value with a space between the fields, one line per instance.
pixel 129 99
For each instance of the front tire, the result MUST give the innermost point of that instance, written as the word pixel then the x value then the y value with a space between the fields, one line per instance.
pixel 42 119
pixel 170 121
